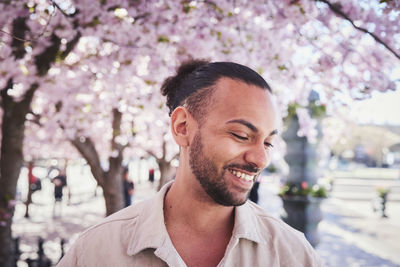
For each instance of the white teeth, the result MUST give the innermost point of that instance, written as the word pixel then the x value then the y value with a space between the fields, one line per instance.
pixel 249 177
pixel 243 176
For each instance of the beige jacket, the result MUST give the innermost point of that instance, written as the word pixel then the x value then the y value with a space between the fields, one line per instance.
pixel 137 236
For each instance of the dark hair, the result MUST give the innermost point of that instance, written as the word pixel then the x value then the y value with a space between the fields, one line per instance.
pixel 183 88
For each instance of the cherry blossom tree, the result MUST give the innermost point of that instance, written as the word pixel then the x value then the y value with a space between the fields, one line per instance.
pixel 86 74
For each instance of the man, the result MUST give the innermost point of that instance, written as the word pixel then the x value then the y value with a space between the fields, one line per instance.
pixel 223 118
pixel 127 187
pixel 60 181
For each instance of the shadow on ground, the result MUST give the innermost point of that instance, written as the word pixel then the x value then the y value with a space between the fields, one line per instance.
pixel 336 252
pixel 340 239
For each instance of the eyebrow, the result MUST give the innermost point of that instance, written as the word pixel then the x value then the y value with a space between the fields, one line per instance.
pixel 250 126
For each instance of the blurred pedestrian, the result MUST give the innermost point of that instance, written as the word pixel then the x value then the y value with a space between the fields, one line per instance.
pixel 128 187
pixel 254 192
pixel 60 181
pixel 151 175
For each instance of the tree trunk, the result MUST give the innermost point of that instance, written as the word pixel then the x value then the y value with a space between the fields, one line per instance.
pixel 167 172
pixel 113 191
pixel 11 160
pixel 13 126
pixel 110 181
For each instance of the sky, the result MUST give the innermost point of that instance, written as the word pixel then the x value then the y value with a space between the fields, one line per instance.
pixel 381 108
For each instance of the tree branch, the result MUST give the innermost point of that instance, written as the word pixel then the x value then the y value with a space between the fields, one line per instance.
pixel 4 92
pixel 20 36
pixel 43 61
pixel 115 161
pixel 71 45
pixel 86 148
pixel 18 33
pixel 62 11
pixel 27 100
pixel 336 8
pixel 36 118
pixel 116 126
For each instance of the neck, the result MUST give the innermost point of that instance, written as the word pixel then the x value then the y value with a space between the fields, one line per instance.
pixel 184 207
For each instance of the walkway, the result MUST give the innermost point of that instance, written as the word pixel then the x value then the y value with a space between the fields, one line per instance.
pixel 351 234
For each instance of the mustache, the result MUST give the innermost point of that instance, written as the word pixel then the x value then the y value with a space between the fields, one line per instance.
pixel 248 167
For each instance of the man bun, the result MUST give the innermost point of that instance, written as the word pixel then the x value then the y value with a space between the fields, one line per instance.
pixel 173 84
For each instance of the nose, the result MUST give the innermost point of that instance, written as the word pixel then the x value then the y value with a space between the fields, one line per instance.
pixel 258 156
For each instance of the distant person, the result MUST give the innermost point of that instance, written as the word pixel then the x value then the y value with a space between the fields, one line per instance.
pixel 151 175
pixel 60 181
pixel 128 187
pixel 254 192
pixel 224 120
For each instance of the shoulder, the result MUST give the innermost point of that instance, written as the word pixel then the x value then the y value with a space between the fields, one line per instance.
pixel 272 225
pixel 111 236
pixel 125 217
pixel 283 238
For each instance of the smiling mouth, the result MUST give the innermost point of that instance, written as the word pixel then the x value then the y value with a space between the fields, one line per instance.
pixel 242 175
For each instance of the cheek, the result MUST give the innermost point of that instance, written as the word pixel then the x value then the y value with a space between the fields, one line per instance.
pixel 225 151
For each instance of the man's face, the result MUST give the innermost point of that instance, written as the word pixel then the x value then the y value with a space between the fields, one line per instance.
pixel 233 144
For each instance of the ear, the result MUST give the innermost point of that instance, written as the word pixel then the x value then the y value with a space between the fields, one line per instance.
pixel 181 124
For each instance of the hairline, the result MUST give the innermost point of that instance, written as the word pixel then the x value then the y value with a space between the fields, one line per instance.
pixel 200 118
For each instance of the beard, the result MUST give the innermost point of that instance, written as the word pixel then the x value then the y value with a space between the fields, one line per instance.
pixel 215 184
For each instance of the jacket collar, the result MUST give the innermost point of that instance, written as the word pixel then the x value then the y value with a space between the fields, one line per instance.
pixel 151 232
pixel 247 224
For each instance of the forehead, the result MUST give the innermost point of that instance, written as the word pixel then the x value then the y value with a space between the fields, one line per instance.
pixel 234 99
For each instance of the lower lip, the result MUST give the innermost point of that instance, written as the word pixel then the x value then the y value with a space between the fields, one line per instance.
pixel 243 183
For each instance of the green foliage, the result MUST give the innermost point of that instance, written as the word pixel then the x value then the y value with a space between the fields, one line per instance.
pixel 282 67
pixel 318 191
pixel 187 7
pixel 292 110
pixel 317 110
pixel 302 190
pixel 95 21
pixel 383 191
pixel 163 39
pixel 272 168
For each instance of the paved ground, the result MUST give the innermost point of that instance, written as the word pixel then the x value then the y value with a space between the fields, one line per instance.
pixel 351 234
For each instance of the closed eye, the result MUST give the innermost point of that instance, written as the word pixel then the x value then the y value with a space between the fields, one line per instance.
pixel 243 138
pixel 269 145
